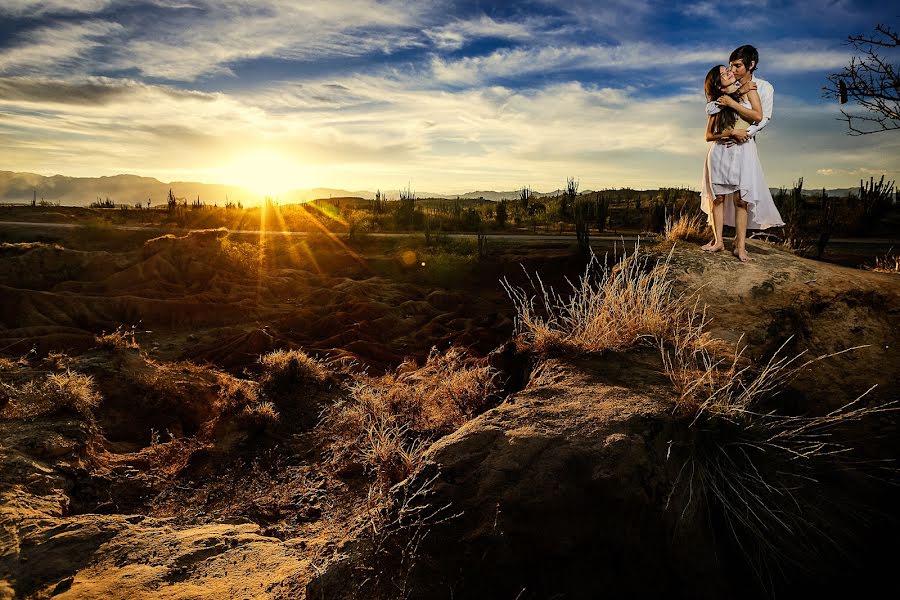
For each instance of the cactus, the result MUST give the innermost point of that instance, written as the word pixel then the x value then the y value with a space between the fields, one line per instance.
pixel 583 216
pixel 602 212
pixel 875 197
pixel 827 222
pixel 524 197
pixel 501 214
pixel 793 211
pixel 482 243
pixel 378 204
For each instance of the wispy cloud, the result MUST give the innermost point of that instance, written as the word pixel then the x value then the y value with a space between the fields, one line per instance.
pixel 56 48
pixel 207 38
pixel 456 34
pixel 518 62
pixel 36 8
pixel 89 91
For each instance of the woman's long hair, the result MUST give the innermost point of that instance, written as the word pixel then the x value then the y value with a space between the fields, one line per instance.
pixel 727 117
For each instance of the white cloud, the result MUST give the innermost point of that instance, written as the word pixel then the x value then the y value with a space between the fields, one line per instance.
pixel 36 8
pixel 55 48
pixel 188 44
pixel 519 62
pixel 456 34
pixel 802 57
pixel 365 132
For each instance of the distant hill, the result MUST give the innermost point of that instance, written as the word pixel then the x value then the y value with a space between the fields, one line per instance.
pixel 131 189
pixel 833 193
pixel 121 189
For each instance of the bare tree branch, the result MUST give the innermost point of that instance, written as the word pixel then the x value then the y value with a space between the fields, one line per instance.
pixel 871 81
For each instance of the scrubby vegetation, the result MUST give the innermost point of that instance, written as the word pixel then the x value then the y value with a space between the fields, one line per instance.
pixel 386 422
pixel 43 393
pixel 889 263
pixel 284 369
pixel 119 339
pixel 267 413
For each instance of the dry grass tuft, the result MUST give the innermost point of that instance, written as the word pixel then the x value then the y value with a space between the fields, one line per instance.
pixel 387 421
pixel 240 397
pixel 889 263
pixel 120 339
pixel 48 394
pixel 609 309
pixel 283 370
pixel 10 364
pixel 687 227
pixel 261 414
pixel 60 361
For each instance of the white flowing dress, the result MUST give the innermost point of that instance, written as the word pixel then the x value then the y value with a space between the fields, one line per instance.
pixel 737 168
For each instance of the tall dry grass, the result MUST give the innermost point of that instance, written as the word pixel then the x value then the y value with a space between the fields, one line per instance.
pixel 687 227
pixel 607 309
pixel 120 339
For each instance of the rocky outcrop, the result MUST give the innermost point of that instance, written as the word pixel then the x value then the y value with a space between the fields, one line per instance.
pixel 813 306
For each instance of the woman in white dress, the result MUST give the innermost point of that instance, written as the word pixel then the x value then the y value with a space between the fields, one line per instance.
pixel 734 189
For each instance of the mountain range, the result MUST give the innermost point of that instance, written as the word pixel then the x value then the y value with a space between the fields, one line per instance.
pixel 133 189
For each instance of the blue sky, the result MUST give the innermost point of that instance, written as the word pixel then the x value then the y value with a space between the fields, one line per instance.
pixel 446 96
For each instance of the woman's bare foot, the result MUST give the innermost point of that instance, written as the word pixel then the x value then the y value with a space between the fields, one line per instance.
pixel 713 247
pixel 742 255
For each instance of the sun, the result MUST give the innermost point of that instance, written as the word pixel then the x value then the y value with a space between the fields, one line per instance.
pixel 265 172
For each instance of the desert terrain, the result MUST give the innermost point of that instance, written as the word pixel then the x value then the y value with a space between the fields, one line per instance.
pixel 211 413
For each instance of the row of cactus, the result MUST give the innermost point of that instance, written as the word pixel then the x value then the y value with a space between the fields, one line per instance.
pixel 875 197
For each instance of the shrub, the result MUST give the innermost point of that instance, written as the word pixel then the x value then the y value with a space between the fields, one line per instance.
pixel 120 339
pixel 386 421
pixel 284 369
pixel 760 468
pixel 240 255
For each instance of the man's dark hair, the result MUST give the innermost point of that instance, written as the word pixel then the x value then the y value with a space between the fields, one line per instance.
pixel 747 54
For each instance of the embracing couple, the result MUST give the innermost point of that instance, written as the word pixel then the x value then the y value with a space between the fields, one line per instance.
pixel 734 190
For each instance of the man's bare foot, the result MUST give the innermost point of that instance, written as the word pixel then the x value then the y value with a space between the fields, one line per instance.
pixel 713 247
pixel 742 255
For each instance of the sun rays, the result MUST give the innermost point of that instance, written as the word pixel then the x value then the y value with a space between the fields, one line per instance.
pixel 316 223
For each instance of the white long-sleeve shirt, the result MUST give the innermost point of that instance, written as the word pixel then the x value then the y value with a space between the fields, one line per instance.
pixel 766 98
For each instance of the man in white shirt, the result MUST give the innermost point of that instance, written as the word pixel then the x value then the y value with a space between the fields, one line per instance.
pixel 743 62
